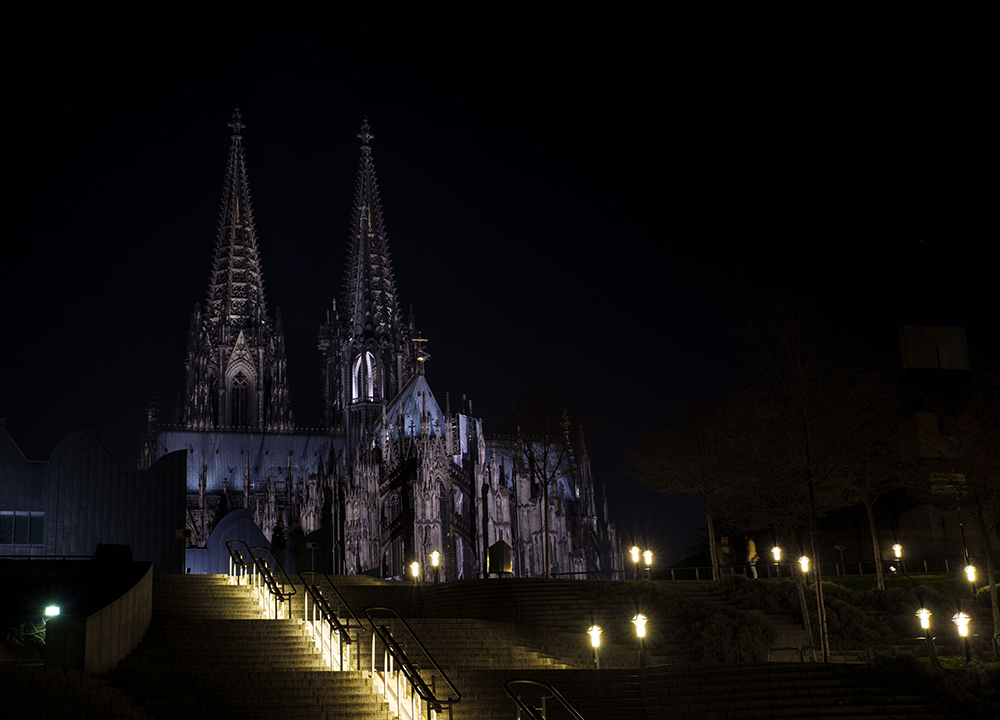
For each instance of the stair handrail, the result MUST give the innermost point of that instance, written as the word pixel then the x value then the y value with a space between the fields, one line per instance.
pixel 237 559
pixel 533 713
pixel 331 618
pixel 268 573
pixel 398 654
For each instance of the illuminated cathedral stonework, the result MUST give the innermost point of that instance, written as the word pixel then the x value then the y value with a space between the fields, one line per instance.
pixel 390 477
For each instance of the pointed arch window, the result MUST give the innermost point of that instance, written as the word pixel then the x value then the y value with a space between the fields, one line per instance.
pixel 363 377
pixel 239 395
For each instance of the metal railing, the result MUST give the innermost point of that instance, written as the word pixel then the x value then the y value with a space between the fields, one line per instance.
pixel 868 649
pixel 264 575
pixel 398 667
pixel 332 631
pixel 538 713
pixel 831 569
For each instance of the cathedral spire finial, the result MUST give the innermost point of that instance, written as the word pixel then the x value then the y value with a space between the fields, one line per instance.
pixel 236 124
pixel 365 133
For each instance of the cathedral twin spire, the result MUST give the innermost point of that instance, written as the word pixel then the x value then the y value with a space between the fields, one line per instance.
pixel 236 286
pixel 369 288
pixel 235 368
pixel 236 373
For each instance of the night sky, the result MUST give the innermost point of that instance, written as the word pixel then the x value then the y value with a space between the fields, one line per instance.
pixel 571 198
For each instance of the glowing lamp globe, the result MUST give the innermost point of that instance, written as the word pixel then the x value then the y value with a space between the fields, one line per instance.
pixel 595 635
pixel 640 624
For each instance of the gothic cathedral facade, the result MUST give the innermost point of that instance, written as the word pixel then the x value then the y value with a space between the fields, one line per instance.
pixel 390 477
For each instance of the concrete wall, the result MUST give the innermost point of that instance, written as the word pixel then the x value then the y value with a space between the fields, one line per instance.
pixel 114 631
pixel 97 642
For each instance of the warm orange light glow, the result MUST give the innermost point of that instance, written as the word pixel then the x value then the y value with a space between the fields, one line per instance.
pixel 962 621
pixel 595 635
pixel 925 618
pixel 640 625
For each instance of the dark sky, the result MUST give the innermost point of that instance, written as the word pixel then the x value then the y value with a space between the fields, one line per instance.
pixel 576 199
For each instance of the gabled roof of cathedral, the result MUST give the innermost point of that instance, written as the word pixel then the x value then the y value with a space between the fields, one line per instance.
pixel 413 400
pixel 370 300
pixel 236 285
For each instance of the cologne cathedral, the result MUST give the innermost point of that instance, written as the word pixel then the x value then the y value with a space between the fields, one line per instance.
pixel 390 477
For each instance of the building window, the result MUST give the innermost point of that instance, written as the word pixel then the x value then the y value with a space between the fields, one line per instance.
pixel 22 528
pixel 240 401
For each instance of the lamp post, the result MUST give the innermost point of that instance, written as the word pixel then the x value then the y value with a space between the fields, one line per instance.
pixel 804 564
pixel 648 557
pixel 595 642
pixel 961 621
pixel 897 550
pixel 925 624
pixel 435 562
pixel 415 570
pixel 776 552
pixel 635 562
pixel 640 630
pixel 970 573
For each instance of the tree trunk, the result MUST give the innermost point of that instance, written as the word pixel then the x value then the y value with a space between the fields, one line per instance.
pixel 875 546
pixel 804 606
pixel 824 639
pixel 711 542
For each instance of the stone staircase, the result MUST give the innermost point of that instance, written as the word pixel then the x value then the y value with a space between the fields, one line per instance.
pixel 209 654
pixel 31 690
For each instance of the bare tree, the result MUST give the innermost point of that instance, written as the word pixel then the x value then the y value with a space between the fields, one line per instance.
pixel 965 478
pixel 689 458
pixel 872 464
pixel 793 429
pixel 546 439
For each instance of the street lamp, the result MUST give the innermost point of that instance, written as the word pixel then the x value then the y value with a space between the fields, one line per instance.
pixel 51 611
pixel 776 551
pixel 595 642
pixel 435 561
pixel 415 570
pixel 925 624
pixel 635 562
pixel 970 573
pixel 925 618
pixel 640 630
pixel 648 557
pixel 961 621
pixel 897 550
pixel 804 564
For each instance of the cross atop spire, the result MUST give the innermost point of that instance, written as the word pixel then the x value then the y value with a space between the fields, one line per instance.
pixel 365 134
pixel 236 124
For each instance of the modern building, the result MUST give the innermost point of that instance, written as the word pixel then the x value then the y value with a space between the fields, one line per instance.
pixel 79 498
pixel 391 476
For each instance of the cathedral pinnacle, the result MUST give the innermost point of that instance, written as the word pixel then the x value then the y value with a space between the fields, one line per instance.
pixel 236 124
pixel 365 134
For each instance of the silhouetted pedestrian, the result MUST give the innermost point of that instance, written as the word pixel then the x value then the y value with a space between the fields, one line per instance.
pixel 278 543
pixel 725 555
pixel 752 556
